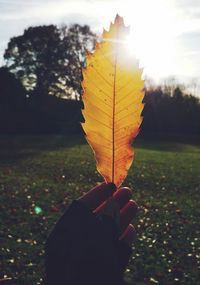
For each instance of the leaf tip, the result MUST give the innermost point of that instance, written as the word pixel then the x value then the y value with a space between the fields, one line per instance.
pixel 119 20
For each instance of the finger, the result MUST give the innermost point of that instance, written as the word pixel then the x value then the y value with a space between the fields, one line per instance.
pixel 128 235
pixel 121 197
pixel 98 195
pixel 127 213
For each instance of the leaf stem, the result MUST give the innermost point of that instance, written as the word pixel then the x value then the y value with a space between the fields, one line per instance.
pixel 113 118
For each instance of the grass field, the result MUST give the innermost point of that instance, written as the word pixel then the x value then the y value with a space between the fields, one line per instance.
pixel 49 171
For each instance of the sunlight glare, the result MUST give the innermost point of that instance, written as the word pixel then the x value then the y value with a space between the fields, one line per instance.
pixel 151 36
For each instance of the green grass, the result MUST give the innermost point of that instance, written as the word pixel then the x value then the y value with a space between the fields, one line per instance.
pixel 50 171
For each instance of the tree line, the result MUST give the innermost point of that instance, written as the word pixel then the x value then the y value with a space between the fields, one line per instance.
pixel 40 86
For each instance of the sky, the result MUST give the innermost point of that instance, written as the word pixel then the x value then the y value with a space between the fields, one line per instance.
pixel 165 34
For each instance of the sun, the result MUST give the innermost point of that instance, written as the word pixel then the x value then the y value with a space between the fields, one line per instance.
pixel 151 36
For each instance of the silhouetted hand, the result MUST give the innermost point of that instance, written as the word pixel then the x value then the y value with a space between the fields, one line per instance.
pixel 91 243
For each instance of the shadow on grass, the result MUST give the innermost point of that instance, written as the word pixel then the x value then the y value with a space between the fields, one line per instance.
pixel 20 147
pixel 168 142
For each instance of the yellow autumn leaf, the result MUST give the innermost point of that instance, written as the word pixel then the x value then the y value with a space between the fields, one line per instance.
pixel 112 97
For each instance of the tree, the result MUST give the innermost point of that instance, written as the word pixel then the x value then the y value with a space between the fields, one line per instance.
pixel 48 59
pixel 77 40
pixel 169 110
pixel 12 94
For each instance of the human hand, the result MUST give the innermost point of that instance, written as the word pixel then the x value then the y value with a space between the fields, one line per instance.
pixel 90 244
pixel 103 200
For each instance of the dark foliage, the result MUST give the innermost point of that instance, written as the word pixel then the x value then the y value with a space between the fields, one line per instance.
pixel 48 59
pixel 12 93
pixel 44 69
pixel 176 113
pixel 21 113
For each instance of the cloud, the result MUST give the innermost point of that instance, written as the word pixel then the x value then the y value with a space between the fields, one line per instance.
pixel 190 41
pixel 190 8
pixel 188 55
pixel 187 3
pixel 16 15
